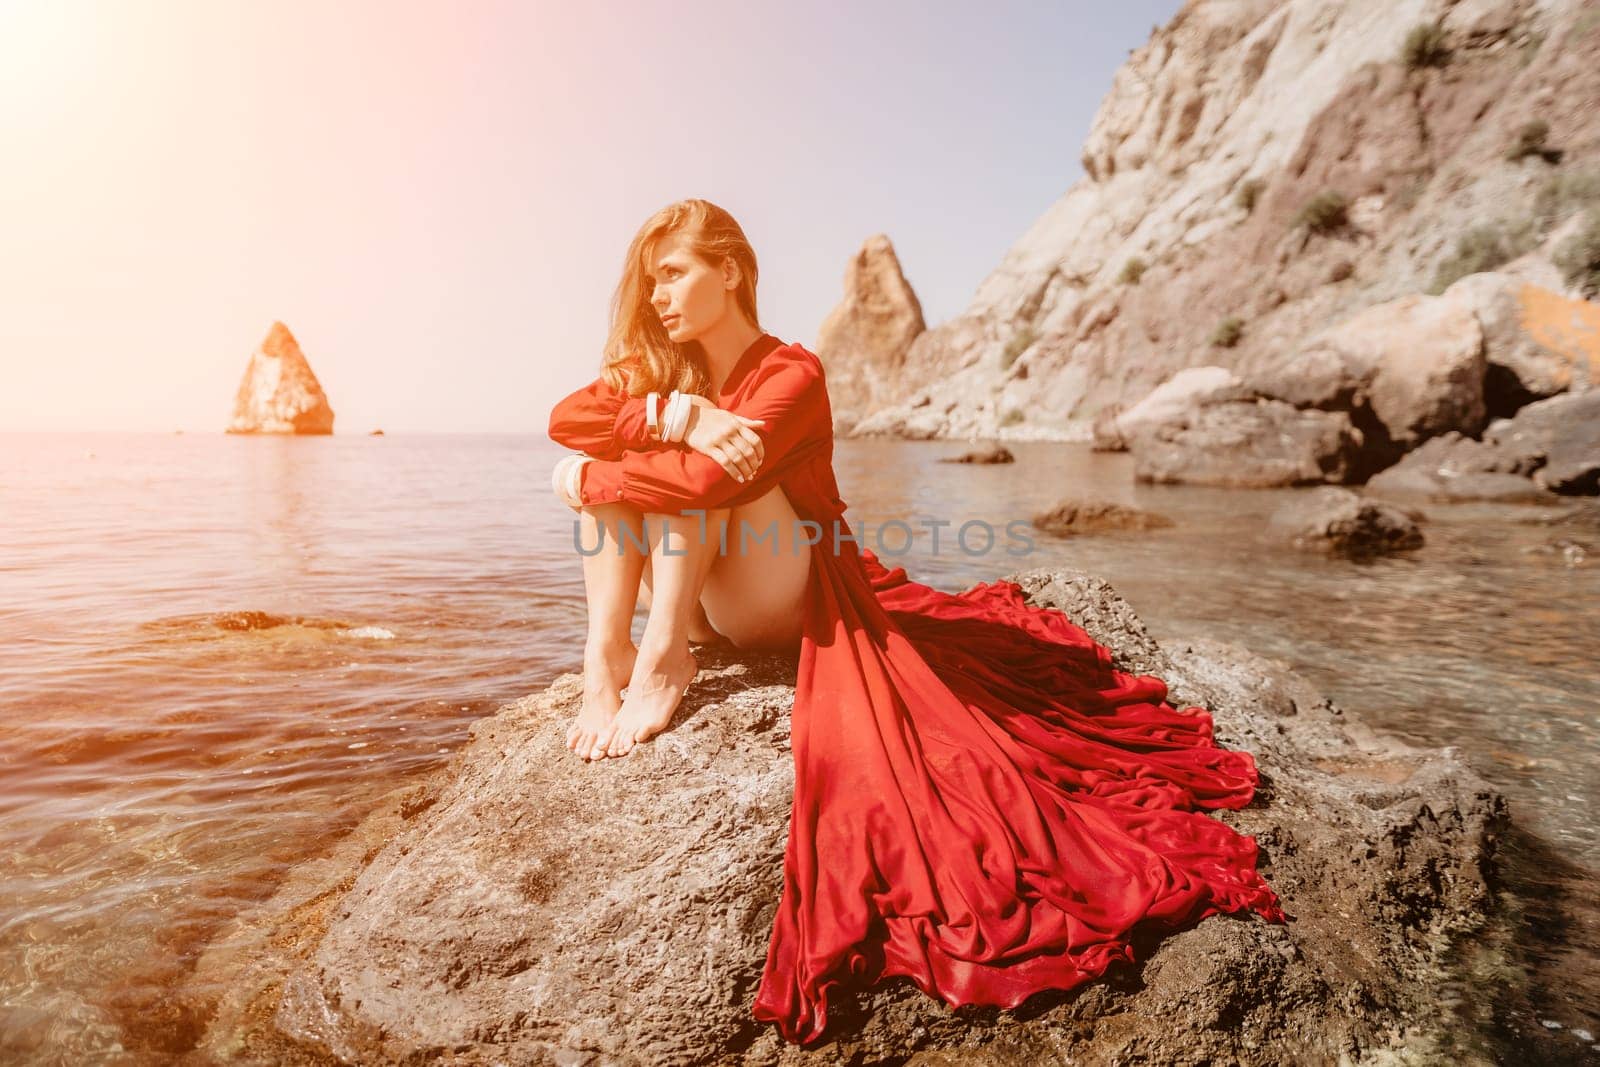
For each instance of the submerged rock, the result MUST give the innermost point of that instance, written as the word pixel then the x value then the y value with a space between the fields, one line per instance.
pixel 1096 516
pixel 524 907
pixel 279 393
pixel 994 454
pixel 1339 521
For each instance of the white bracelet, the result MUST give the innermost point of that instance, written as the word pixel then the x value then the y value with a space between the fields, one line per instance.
pixel 680 421
pixel 668 413
pixel 652 420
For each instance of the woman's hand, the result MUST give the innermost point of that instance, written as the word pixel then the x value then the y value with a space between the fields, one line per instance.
pixel 566 482
pixel 726 438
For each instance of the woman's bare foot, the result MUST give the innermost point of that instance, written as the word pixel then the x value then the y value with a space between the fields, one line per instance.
pixel 606 670
pixel 654 691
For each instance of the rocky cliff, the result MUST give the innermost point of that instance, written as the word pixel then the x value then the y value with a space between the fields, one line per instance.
pixel 280 393
pixel 524 907
pixel 1263 172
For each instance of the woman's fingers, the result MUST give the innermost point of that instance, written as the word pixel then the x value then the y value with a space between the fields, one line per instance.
pixel 722 456
pixel 755 442
pixel 741 459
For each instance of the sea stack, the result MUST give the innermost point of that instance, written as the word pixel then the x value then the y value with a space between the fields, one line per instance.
pixel 864 340
pixel 279 393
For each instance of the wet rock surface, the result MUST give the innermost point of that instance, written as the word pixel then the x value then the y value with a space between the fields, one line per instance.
pixel 1341 522
pixel 522 906
pixel 1073 517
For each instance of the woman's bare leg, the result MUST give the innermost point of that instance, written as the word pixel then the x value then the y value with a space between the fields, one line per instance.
pixel 756 596
pixel 682 551
pixel 700 629
pixel 611 585
pixel 756 593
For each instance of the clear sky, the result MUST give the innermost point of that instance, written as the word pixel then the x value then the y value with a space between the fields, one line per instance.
pixel 436 197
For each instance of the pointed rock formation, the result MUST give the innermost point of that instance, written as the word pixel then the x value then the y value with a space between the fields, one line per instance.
pixel 864 340
pixel 279 393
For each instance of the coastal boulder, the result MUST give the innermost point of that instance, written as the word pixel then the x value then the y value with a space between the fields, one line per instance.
pixel 1415 364
pixel 525 907
pixel 1249 444
pixel 1550 447
pixel 279 393
pixel 1537 343
pixel 1172 400
pixel 1555 441
pixel 1339 521
pixel 1072 517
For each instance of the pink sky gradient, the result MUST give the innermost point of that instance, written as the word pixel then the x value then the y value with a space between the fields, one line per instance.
pixel 435 198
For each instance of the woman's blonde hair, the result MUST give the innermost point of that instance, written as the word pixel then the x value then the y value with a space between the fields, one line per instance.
pixel 639 356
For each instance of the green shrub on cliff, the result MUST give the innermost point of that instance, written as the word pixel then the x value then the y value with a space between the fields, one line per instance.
pixel 1579 256
pixel 1326 212
pixel 1564 193
pixel 1228 332
pixel 1132 271
pixel 1483 248
pixel 1424 47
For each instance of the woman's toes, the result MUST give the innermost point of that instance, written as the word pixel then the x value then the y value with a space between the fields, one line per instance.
pixel 620 744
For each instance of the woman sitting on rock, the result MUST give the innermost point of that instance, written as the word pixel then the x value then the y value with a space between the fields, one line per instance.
pixel 982 802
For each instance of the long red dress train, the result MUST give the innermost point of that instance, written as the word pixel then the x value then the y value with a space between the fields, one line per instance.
pixel 982 803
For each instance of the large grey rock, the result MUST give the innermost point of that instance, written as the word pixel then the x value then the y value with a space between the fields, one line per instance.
pixel 279 393
pixel 1556 441
pixel 1549 447
pixel 1416 364
pixel 1171 401
pixel 1249 444
pixel 1538 343
pixel 523 907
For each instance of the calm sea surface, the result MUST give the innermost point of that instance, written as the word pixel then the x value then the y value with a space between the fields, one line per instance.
pixel 215 652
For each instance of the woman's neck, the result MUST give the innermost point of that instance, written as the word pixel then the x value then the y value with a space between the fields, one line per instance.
pixel 723 344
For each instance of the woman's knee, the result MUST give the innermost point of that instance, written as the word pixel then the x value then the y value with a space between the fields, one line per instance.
pixel 700 529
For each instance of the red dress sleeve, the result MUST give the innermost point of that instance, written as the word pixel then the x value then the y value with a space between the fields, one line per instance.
pixel 787 391
pixel 601 421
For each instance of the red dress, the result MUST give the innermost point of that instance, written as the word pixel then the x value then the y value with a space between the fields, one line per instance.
pixel 981 801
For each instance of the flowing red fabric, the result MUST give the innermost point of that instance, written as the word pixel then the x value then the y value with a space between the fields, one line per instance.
pixel 982 802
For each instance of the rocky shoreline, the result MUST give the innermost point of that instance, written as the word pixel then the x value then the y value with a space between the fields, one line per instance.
pixel 520 906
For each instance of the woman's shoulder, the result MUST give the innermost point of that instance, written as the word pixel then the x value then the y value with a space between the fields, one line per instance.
pixel 792 354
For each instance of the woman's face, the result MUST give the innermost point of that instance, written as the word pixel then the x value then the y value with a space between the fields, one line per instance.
pixel 690 295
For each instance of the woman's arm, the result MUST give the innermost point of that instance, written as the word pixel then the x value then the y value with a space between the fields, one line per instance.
pixel 602 422
pixel 789 394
